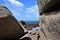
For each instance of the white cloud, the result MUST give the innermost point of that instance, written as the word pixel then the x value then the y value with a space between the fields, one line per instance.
pixel 17 3
pixel 33 9
pixel 15 13
pixel 27 15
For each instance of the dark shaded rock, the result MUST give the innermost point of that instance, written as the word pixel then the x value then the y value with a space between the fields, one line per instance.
pixel 9 26
pixel 23 22
pixel 26 38
pixel 46 6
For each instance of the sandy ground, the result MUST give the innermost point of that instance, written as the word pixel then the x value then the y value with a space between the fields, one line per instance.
pixel 32 34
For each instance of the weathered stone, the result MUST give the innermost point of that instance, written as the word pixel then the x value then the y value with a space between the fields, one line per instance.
pixel 9 26
pixel 50 26
pixel 49 20
pixel 48 5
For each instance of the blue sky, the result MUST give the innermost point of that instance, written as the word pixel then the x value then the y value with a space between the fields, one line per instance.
pixel 26 10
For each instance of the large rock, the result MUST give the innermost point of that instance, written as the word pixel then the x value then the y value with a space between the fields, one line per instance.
pixel 9 26
pixel 48 5
pixel 49 20
pixel 50 27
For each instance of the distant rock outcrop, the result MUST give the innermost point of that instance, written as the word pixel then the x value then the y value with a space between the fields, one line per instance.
pixel 23 22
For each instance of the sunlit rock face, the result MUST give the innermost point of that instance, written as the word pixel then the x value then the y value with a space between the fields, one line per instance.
pixel 4 11
pixel 49 19
pixel 51 26
pixel 9 27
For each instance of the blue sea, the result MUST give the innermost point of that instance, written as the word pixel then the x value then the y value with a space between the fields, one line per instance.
pixel 31 22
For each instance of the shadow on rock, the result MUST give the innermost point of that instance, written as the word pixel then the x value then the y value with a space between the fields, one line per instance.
pixel 26 38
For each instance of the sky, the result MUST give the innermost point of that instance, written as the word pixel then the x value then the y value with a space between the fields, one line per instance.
pixel 26 10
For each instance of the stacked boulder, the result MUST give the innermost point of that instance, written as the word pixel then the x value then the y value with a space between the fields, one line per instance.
pixel 49 19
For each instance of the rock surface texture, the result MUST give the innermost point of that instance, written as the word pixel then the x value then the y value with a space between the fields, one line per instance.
pixel 49 19
pixel 32 35
pixel 10 29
